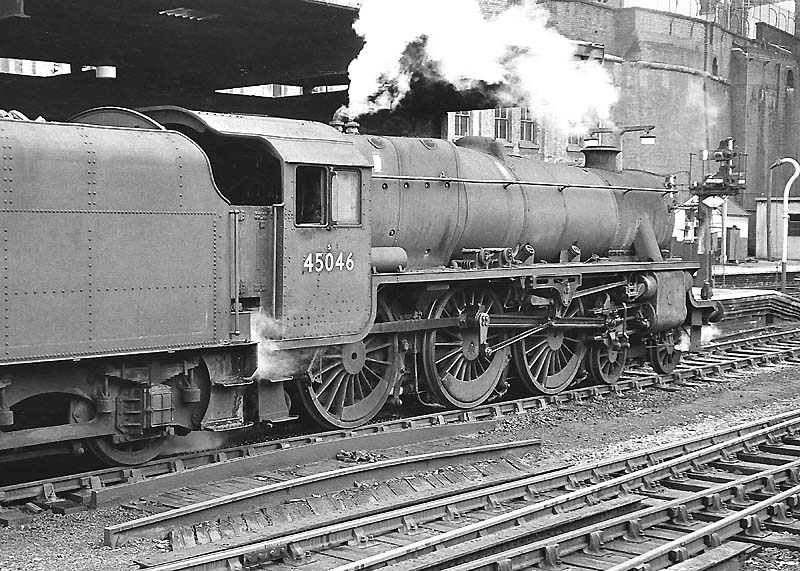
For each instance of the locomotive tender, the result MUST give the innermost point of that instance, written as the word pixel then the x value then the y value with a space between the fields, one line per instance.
pixel 167 270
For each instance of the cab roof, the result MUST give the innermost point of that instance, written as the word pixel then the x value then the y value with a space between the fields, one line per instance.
pixel 294 141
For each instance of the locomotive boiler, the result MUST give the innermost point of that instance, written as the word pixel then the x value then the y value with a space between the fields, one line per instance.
pixel 169 270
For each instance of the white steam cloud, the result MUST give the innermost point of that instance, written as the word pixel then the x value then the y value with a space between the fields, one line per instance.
pixel 272 363
pixel 707 334
pixel 529 63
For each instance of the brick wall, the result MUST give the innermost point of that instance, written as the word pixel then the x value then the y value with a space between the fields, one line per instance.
pixel 697 83
pixel 491 8
pixel 797 17
pixel 671 71
pixel 585 20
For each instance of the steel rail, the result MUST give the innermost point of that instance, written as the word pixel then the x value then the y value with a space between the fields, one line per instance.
pixel 116 484
pixel 157 525
pixel 553 548
pixel 679 456
pixel 639 477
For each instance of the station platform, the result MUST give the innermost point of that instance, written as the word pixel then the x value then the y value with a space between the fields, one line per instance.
pixel 751 308
pixel 761 274
pixel 726 294
pixel 759 267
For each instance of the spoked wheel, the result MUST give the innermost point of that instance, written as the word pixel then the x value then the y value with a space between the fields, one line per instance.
pixel 349 384
pixel 110 452
pixel 606 364
pixel 457 374
pixel 549 362
pixel 663 355
pixel 125 453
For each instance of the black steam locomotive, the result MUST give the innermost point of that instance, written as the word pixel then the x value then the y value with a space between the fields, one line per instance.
pixel 167 270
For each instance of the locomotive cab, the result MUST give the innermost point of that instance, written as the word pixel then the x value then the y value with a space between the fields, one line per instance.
pixel 301 225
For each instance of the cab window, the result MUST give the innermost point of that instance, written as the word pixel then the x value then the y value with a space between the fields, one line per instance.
pixel 346 197
pixel 311 193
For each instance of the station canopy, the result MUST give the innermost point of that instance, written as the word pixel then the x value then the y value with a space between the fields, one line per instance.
pixel 155 52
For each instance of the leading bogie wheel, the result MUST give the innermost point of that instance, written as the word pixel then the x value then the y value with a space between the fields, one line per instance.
pixel 347 385
pixel 606 364
pixel 456 372
pixel 662 354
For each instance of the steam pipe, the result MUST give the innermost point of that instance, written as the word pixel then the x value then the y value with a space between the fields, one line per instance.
pixel 786 189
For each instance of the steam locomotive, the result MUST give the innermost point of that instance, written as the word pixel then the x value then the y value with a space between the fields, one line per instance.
pixel 168 270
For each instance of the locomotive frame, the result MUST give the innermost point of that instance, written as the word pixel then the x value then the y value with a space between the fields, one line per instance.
pixel 211 271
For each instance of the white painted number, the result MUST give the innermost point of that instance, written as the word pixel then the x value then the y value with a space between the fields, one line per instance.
pixel 328 262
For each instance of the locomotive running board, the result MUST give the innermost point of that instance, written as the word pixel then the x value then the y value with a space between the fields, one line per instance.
pixel 537 270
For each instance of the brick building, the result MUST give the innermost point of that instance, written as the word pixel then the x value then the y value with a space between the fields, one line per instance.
pixel 698 78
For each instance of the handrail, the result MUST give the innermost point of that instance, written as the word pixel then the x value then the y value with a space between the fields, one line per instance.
pixel 236 277
pixel 506 183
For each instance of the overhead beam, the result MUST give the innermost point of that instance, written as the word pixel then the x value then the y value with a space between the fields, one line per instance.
pixel 12 9
pixel 58 98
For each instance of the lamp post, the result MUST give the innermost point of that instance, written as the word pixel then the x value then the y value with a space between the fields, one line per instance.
pixel 789 183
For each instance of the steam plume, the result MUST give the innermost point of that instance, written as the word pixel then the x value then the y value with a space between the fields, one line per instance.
pixel 707 334
pixel 515 54
pixel 272 363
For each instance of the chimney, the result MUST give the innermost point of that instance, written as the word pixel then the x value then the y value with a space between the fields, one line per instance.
pixel 605 157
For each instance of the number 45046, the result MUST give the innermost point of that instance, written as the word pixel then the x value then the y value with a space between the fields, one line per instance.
pixel 328 262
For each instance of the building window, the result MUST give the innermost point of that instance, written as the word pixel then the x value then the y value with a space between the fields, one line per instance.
pixel 501 115
pixel 574 140
pixel 790 79
pixel 528 130
pixel 714 67
pixel 463 123
pixel 794 224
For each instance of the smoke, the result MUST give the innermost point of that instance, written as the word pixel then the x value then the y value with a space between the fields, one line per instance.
pixel 705 110
pixel 707 334
pixel 272 362
pixel 197 440
pixel 514 58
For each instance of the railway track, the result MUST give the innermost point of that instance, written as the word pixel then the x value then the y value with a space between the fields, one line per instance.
pixel 729 491
pixel 92 489
pixel 507 460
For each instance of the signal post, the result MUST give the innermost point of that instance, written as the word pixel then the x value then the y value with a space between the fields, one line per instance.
pixel 712 192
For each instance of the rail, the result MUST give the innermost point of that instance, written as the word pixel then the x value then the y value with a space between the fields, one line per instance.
pixel 527 506
pixel 158 524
